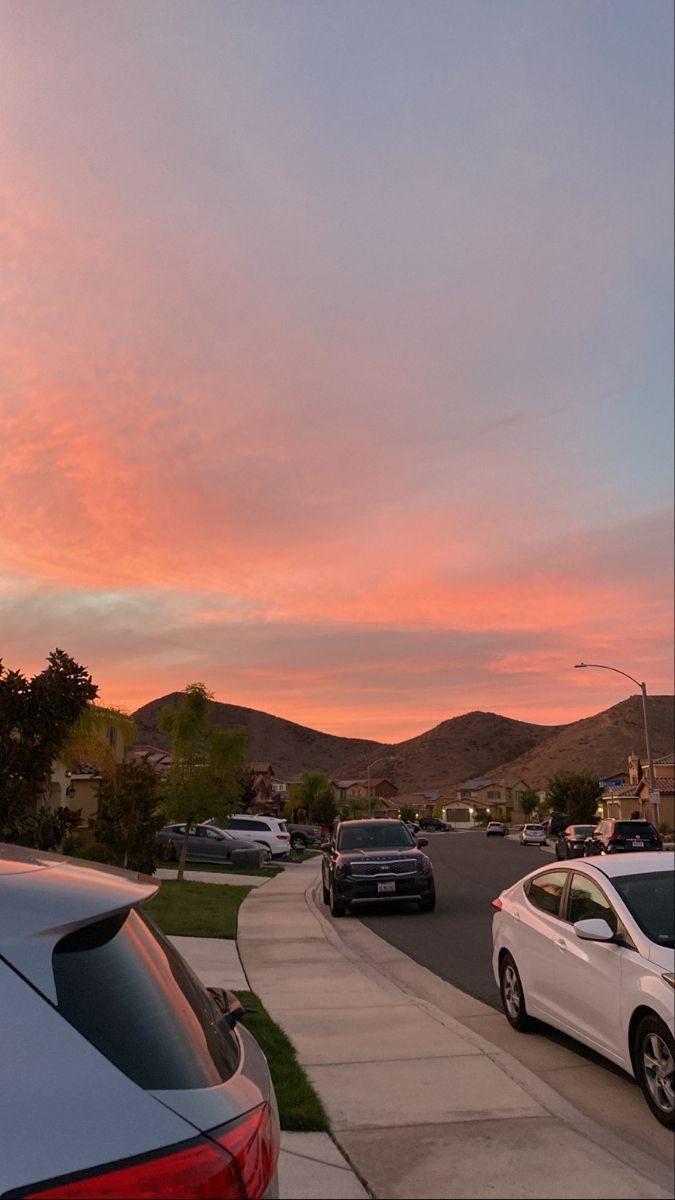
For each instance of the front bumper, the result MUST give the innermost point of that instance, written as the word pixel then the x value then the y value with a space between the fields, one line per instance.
pixel 355 891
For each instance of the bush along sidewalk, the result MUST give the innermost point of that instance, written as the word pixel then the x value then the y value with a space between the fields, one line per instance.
pixel 190 909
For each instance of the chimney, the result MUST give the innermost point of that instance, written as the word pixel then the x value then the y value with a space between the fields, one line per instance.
pixel 634 770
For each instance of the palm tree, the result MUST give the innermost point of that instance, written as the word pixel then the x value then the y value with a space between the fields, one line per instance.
pixel 100 737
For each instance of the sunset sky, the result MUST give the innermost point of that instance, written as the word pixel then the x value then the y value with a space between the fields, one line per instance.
pixel 337 352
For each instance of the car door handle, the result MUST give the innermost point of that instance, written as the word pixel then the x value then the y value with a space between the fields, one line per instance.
pixel 515 915
pixel 562 945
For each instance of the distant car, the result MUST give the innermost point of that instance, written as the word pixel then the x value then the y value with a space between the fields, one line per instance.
pixel 589 948
pixel 302 836
pixel 413 826
pixel 206 844
pixel 429 824
pixel 556 824
pixel 265 831
pixel 571 842
pixel 496 829
pixel 533 835
pixel 114 1048
pixel 618 837
pixel 375 860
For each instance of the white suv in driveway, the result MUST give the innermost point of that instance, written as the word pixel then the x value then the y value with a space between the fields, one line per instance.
pixel 533 835
pixel 266 831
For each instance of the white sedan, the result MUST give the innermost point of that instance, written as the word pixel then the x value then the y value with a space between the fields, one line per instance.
pixel 589 947
pixel 533 835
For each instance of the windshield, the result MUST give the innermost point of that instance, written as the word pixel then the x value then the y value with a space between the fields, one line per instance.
pixel 651 900
pixel 381 835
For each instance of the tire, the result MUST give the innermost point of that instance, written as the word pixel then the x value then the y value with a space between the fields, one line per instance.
pixel 513 997
pixel 267 853
pixel 427 903
pixel 337 906
pixel 654 1060
pixel 558 855
pixel 298 841
pixel 325 893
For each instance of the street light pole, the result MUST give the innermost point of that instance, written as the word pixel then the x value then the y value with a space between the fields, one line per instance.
pixel 643 690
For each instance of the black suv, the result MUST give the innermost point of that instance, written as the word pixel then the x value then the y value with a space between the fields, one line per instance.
pixel 613 836
pixel 434 823
pixel 375 861
pixel 571 842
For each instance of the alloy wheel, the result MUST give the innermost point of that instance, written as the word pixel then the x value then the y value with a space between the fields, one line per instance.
pixel 511 991
pixel 659 1072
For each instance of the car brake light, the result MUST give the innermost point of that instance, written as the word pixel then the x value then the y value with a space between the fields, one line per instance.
pixel 616 837
pixel 496 905
pixel 283 836
pixel 227 1164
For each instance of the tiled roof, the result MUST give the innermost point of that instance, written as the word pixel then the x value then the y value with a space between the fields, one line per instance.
pixel 667 761
pixel 260 768
pixel 664 784
pixel 622 793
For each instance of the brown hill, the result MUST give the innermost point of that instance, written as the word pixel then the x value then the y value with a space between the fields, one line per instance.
pixel 600 744
pixel 476 743
pixel 457 749
pixel 289 747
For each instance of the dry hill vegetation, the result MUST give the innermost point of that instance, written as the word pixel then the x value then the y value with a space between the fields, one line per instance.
pixel 474 744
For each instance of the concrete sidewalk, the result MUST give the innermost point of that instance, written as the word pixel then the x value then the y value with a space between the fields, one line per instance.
pixel 421 1103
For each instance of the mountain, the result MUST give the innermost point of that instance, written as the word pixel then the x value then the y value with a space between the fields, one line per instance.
pixel 476 743
pixel 599 744
pixel 289 747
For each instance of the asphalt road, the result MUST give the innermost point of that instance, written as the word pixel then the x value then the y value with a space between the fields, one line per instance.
pixel 455 941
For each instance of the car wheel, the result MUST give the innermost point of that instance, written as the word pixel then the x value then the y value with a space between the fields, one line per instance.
pixel 427 903
pixel 325 893
pixel 654 1059
pixel 298 842
pixel 337 906
pixel 558 853
pixel 266 852
pixel 513 998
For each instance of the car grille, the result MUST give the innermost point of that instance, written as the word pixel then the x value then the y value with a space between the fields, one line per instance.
pixel 384 866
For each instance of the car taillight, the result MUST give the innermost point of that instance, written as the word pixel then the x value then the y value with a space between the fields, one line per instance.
pixel 496 905
pixel 284 836
pixel 233 1163
pixel 616 837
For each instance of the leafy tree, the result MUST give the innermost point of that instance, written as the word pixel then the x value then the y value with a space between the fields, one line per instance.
pixel 89 739
pixel 247 793
pixel 529 802
pixel 577 795
pixel 207 763
pixel 129 816
pixel 36 718
pixel 407 812
pixel 314 795
pixel 52 829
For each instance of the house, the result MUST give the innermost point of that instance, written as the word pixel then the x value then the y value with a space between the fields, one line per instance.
pixel 350 791
pixel 74 784
pixel 500 797
pixel 662 812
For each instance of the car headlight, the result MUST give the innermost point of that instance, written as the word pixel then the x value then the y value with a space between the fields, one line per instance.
pixel 669 979
pixel 424 865
pixel 342 869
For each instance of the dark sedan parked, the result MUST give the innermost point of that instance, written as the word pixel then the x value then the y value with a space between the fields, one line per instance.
pixel 571 842
pixel 206 844
pixel 431 823
pixel 377 860
pixel 616 837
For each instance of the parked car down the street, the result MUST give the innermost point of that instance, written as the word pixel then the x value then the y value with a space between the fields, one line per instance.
pixel 265 831
pixel 613 836
pixel 302 836
pixel 435 825
pixel 132 1080
pixel 496 829
pixel 533 835
pixel 207 843
pixel 571 842
pixel 373 861
pixel 589 947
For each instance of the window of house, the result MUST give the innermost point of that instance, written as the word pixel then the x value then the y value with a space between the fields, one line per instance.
pixel 494 795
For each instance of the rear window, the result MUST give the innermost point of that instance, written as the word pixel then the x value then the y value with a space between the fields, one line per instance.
pixel 282 826
pixel 635 829
pixel 580 830
pixel 650 898
pixel 124 987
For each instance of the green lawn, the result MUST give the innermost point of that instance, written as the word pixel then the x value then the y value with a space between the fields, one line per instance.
pixel 221 868
pixel 299 1106
pixel 190 909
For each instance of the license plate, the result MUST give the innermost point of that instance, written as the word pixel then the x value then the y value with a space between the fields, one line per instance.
pixel 389 885
pixel 638 842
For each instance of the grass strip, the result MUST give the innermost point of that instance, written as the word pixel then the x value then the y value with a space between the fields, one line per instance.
pixel 220 868
pixel 189 909
pixel 299 1105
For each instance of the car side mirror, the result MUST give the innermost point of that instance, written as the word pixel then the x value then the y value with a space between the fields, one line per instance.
pixel 422 842
pixel 593 929
pixel 325 847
